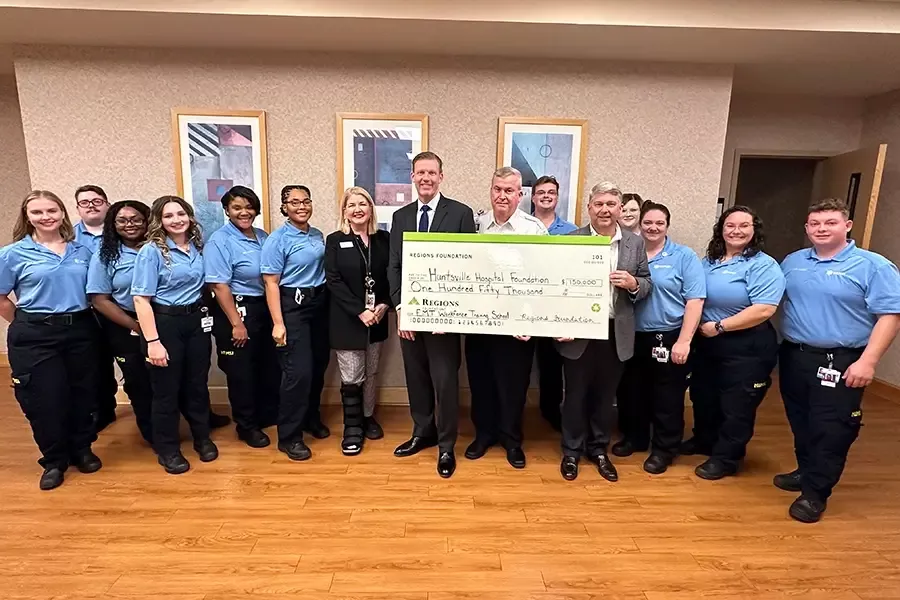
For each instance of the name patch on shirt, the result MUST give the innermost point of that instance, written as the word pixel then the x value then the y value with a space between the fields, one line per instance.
pixel 346 244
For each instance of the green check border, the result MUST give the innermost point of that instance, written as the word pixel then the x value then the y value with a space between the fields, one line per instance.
pixel 494 238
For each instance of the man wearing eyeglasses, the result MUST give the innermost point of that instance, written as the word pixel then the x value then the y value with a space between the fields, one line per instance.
pixel 544 199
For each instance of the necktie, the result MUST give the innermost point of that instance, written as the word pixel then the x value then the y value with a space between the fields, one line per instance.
pixel 423 220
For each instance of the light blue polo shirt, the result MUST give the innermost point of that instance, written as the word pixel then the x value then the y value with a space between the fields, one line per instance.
pixel 175 284
pixel 733 285
pixel 677 277
pixel 297 256
pixel 834 302
pixel 231 257
pixel 560 227
pixel 44 281
pixel 115 278
pixel 86 238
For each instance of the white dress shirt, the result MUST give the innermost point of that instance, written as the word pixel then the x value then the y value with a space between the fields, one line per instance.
pixel 519 222
pixel 433 204
pixel 613 265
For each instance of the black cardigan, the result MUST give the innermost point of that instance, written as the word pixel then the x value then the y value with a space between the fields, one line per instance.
pixel 345 272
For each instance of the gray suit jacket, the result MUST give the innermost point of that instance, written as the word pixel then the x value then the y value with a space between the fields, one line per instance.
pixel 632 258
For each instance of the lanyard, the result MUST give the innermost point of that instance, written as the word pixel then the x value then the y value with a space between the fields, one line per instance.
pixel 367 259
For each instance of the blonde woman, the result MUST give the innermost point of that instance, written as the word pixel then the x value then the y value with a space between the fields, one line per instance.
pixel 356 262
pixel 167 288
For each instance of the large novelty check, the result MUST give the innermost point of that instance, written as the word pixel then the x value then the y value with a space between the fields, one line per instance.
pixel 538 285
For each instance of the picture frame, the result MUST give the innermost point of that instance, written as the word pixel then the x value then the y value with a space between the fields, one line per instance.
pixel 546 146
pixel 215 150
pixel 375 152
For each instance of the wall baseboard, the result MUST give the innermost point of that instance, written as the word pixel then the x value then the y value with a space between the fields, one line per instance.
pixel 885 390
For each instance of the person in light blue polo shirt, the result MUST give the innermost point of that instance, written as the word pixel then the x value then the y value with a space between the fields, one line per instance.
pixel 656 377
pixel 168 297
pixel 737 347
pixel 93 206
pixel 242 325
pixel 52 335
pixel 109 288
pixel 545 199
pixel 293 268
pixel 841 313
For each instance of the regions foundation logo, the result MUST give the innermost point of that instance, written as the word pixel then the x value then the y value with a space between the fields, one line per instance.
pixel 414 302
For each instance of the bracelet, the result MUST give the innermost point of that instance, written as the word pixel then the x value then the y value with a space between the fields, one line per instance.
pixel 156 339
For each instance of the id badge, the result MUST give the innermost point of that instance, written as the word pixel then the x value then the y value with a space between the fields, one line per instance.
pixel 206 323
pixel 828 377
pixel 134 333
pixel 298 296
pixel 661 354
pixel 241 310
pixel 370 301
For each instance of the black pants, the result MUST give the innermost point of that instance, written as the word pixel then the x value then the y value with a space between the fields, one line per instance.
pixel 729 379
pixel 54 373
pixel 431 364
pixel 651 395
pixel 825 420
pixel 303 361
pixel 499 368
pixel 252 371
pixel 588 414
pixel 550 379
pixel 107 385
pixel 182 385
pixel 130 357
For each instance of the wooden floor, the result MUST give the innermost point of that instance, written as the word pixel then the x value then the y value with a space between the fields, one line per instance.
pixel 255 525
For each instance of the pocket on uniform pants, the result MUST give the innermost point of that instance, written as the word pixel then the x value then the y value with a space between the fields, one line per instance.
pixel 21 383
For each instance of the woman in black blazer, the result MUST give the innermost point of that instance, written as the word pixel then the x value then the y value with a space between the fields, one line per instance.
pixel 356 262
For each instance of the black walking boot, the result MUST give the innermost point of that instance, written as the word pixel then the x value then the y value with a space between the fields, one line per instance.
pixel 354 431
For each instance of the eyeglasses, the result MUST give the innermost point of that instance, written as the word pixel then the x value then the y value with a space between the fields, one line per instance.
pixel 296 203
pixel 92 202
pixel 546 193
pixel 138 221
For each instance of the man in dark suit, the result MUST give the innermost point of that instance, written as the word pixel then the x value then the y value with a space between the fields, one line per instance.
pixel 593 368
pixel 431 360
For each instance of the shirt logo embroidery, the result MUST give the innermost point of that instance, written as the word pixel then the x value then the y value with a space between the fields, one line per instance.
pixel 829 272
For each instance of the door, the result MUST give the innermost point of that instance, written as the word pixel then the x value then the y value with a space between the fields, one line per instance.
pixel 856 178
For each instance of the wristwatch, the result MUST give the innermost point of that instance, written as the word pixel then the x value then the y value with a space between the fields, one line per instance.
pixel 719 327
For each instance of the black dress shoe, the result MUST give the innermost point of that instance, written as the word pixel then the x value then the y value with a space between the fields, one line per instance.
pixel 656 464
pixel 295 450
pixel 52 478
pixel 569 468
pixel 373 429
pixel 446 465
pixel 623 448
pixel 206 450
pixel 317 429
pixel 174 464
pixel 789 482
pixel 605 467
pixel 693 446
pixel 806 509
pixel 714 469
pixel 516 458
pixel 255 438
pixel 217 421
pixel 477 449
pixel 86 461
pixel 414 445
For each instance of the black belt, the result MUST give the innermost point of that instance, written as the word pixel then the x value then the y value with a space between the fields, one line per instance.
pixel 308 292
pixel 55 318
pixel 241 299
pixel 178 309
pixel 814 350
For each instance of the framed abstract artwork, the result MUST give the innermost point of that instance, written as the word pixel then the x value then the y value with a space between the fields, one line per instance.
pixel 375 152
pixel 214 151
pixel 538 147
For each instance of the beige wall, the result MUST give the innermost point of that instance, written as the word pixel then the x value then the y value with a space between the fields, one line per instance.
pixel 881 125
pixel 103 115
pixel 13 166
pixel 790 124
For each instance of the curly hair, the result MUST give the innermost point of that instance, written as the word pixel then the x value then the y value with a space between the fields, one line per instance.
pixel 156 233
pixel 23 226
pixel 716 248
pixel 111 240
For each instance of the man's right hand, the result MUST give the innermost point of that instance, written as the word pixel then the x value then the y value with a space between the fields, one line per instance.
pixel 404 335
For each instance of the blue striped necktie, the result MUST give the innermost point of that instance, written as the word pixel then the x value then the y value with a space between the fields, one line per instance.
pixel 423 220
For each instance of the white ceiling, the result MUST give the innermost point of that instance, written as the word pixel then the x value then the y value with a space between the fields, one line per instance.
pixel 851 64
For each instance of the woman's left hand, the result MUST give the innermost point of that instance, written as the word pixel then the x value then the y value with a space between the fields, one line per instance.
pixel 380 311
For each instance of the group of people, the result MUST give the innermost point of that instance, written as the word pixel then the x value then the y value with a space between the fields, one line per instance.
pixel 137 285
